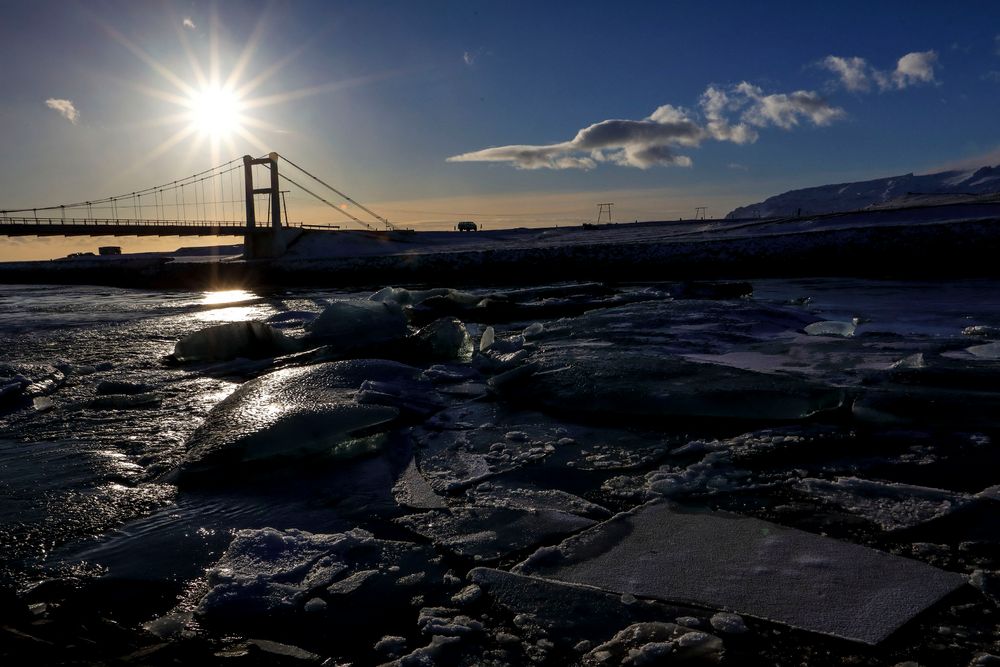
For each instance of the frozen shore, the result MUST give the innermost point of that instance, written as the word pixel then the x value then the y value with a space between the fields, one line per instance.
pixel 952 240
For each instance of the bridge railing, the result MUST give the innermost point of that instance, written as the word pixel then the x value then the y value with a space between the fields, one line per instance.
pixel 129 222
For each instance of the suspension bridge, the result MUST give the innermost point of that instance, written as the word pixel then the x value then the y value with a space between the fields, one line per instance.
pixel 242 197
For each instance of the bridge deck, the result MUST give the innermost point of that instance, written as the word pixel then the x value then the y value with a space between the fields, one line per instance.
pixel 96 227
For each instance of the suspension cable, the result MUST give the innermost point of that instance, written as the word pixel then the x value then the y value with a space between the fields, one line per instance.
pixel 331 205
pixel 367 210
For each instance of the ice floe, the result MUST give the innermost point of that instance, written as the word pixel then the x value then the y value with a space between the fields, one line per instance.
pixel 294 412
pixel 234 339
pixel 490 533
pixel 750 567
pixel 890 506
pixel 346 325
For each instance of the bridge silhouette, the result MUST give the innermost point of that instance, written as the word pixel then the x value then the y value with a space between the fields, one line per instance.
pixel 221 201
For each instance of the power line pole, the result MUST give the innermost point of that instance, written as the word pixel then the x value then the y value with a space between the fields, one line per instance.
pixel 699 212
pixel 600 210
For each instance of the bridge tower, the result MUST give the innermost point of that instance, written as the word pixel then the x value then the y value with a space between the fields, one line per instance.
pixel 262 243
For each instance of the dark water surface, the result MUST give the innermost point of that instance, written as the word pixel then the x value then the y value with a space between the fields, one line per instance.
pixel 87 485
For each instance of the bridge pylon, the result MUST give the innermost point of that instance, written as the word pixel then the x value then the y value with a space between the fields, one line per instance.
pixel 262 243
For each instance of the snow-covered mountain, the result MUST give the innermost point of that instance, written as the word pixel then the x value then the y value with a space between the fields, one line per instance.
pixel 854 196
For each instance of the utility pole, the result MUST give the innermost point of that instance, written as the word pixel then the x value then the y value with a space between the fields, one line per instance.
pixel 600 210
pixel 699 212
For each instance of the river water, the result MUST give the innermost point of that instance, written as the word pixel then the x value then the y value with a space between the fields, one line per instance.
pixel 87 484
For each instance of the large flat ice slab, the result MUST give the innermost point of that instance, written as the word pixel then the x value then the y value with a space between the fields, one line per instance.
pixel 748 566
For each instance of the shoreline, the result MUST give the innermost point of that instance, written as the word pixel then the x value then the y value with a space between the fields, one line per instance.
pixel 934 242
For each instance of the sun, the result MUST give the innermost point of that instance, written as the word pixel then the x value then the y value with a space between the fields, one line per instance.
pixel 216 112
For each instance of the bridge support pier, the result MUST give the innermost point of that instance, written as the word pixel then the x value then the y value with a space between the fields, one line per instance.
pixel 266 242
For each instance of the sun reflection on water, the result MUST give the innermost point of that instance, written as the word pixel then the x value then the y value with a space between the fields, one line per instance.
pixel 226 296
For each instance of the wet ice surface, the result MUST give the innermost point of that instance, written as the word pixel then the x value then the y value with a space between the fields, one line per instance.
pixel 432 476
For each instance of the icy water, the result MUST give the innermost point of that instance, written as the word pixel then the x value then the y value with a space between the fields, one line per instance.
pixel 864 412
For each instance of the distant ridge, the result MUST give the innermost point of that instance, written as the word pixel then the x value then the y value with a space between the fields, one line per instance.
pixel 875 193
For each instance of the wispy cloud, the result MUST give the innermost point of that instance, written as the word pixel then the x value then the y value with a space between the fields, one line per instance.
pixel 189 23
pixel 470 58
pixel 657 139
pixel 857 75
pixel 65 108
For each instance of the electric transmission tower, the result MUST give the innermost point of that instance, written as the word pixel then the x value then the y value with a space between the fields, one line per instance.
pixel 600 211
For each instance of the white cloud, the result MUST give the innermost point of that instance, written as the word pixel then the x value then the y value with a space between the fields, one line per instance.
pixel 469 58
pixel 857 75
pixel 654 140
pixel 784 110
pixel 736 166
pixel 65 108
pixel 188 23
pixel 913 68
pixel 853 72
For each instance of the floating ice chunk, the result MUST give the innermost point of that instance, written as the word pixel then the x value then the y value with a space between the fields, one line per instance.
pixel 656 644
pixel 569 613
pixel 413 490
pixel 533 330
pixel 391 645
pixel 147 399
pixel 445 338
pixel 982 331
pixel 42 403
pixel 497 494
pixel 433 654
pixel 636 384
pixel 405 297
pixel 486 342
pixel 358 324
pixel 912 362
pixel 467 595
pixel 292 412
pixel 451 373
pixel 714 472
pixel 270 571
pixel 831 328
pixel 751 567
pixel 276 651
pixel 891 506
pixel 291 584
pixel 234 339
pixel 446 622
pixel 729 624
pixel 989 351
pixel 490 533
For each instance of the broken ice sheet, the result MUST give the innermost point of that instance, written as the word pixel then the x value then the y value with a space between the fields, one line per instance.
pixel 463 455
pixel 639 385
pixel 412 490
pixel 748 566
pixel 497 494
pixel 890 506
pixel 292 584
pixel 490 533
pixel 569 613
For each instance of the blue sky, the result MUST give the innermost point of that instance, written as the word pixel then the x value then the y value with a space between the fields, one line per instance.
pixel 376 96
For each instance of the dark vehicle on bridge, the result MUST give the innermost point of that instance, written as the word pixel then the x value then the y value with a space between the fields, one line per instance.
pixel 109 250
pixel 467 226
